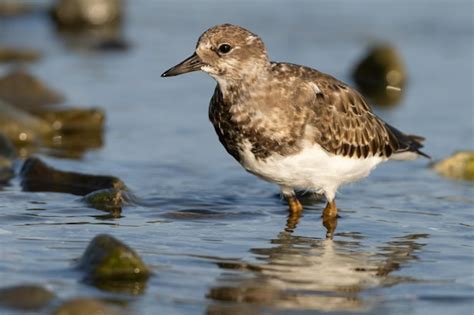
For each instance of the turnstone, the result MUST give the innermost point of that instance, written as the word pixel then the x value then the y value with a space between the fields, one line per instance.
pixel 289 124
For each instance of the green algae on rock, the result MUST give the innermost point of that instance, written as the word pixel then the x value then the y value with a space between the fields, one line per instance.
pixel 458 166
pixel 111 200
pixel 381 75
pixel 108 259
pixel 28 297
pixel 38 176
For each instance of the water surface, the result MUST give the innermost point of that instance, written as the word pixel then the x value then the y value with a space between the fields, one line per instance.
pixel 218 239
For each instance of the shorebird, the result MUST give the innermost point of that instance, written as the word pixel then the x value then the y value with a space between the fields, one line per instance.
pixel 289 124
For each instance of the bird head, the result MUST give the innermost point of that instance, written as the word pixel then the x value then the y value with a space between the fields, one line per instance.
pixel 227 53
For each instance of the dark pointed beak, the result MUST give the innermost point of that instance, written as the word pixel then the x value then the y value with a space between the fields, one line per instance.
pixel 193 63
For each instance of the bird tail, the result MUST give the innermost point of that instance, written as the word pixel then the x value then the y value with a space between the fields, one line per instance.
pixel 408 146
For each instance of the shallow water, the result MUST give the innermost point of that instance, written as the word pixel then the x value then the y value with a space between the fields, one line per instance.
pixel 218 239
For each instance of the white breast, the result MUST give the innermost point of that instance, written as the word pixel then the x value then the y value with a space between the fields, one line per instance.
pixel 313 168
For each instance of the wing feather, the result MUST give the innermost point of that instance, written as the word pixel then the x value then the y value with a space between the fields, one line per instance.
pixel 347 126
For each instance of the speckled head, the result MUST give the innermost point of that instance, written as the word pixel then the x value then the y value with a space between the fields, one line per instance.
pixel 227 53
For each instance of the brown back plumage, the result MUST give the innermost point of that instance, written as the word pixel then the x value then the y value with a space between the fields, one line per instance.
pixel 347 126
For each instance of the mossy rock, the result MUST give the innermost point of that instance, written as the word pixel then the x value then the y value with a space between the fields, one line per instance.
pixel 108 259
pixel 458 166
pixel 111 200
pixel 25 297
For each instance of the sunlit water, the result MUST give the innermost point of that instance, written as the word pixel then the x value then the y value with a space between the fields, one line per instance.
pixel 219 240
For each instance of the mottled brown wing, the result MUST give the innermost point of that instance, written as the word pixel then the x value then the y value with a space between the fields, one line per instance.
pixel 346 125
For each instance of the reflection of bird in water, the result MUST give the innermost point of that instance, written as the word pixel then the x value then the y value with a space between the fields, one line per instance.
pixel 289 124
pixel 307 273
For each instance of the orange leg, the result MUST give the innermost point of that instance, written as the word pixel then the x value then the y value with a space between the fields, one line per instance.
pixel 294 204
pixel 331 210
pixel 330 218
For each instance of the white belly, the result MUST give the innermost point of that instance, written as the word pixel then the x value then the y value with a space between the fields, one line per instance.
pixel 311 169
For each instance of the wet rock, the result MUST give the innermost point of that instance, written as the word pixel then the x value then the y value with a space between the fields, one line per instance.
pixel 27 92
pixel 108 260
pixel 21 127
pixel 73 119
pixel 380 75
pixel 458 166
pixel 77 14
pixel 7 156
pixel 110 200
pixel 38 176
pixel 8 54
pixel 86 306
pixel 25 297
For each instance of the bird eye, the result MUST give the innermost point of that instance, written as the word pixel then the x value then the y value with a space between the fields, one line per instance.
pixel 224 48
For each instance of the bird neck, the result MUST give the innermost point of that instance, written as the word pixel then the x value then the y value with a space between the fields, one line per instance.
pixel 243 87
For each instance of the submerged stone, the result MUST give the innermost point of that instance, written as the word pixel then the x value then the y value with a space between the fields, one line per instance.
pixel 20 126
pixel 25 297
pixel 86 306
pixel 110 200
pixel 108 260
pixel 9 54
pixel 380 75
pixel 38 176
pixel 458 166
pixel 74 119
pixel 27 92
